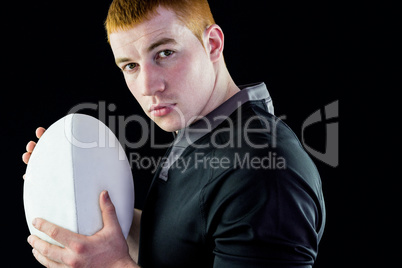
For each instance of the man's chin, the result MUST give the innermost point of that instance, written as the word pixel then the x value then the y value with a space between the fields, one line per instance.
pixel 168 125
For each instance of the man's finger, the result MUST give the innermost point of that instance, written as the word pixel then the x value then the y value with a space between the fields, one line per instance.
pixel 30 146
pixel 39 132
pixel 45 261
pixel 40 258
pixel 45 249
pixel 25 157
pixel 108 211
pixel 61 235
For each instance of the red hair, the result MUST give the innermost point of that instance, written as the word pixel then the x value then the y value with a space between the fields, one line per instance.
pixel 125 14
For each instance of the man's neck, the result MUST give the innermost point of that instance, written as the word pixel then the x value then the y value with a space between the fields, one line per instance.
pixel 224 88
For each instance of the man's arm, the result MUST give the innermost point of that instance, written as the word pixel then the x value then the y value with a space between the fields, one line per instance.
pixel 134 235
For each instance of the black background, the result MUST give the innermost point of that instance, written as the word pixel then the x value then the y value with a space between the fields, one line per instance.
pixel 55 56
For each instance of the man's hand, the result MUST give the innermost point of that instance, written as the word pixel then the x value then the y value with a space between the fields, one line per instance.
pixel 106 248
pixel 31 145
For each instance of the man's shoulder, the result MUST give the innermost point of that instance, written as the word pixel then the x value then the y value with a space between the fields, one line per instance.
pixel 256 143
pixel 251 127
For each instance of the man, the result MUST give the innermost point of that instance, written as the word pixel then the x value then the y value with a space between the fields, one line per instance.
pixel 236 190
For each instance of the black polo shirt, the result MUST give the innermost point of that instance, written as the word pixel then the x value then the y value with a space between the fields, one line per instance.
pixel 236 190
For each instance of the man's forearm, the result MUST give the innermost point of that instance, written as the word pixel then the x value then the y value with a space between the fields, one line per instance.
pixel 134 235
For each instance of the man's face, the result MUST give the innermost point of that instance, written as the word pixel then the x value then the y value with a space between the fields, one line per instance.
pixel 167 70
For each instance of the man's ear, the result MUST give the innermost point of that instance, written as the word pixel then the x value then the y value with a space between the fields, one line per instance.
pixel 214 42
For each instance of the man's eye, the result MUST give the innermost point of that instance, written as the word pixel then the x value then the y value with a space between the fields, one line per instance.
pixel 130 67
pixel 165 53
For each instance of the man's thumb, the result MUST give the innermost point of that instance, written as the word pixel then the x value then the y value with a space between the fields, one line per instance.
pixel 108 211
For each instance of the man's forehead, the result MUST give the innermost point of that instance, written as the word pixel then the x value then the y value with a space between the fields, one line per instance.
pixel 133 37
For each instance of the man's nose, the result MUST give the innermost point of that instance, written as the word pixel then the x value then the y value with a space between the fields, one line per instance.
pixel 152 80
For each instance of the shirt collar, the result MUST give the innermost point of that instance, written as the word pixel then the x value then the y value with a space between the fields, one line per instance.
pixel 250 92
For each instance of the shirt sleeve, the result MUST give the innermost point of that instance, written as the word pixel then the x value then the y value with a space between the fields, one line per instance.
pixel 264 218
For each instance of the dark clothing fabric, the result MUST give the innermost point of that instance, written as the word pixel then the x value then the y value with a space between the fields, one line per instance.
pixel 243 194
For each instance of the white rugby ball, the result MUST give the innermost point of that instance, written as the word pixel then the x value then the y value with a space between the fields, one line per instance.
pixel 73 162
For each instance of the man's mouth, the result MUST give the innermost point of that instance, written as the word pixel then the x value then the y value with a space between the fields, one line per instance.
pixel 162 109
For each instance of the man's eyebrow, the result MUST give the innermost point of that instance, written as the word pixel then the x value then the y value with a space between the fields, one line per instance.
pixel 161 42
pixel 154 45
pixel 120 60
